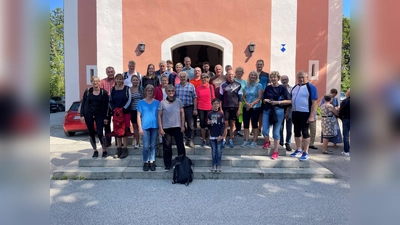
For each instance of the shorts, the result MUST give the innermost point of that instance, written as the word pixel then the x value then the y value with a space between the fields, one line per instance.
pixel 134 116
pixel 230 113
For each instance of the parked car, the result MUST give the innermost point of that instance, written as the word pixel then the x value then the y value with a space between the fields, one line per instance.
pixel 53 106
pixel 342 96
pixel 60 102
pixel 72 122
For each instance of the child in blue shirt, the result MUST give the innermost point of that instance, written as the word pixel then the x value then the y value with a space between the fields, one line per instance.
pixel 216 126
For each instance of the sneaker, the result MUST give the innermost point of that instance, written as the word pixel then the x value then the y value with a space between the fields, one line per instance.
pixel 218 170
pixel 266 144
pixel 191 144
pixel 245 144
pixel 288 148
pixel 95 154
pixel 223 143
pixel 136 146
pixel 104 155
pixel 167 168
pixel 346 153
pixel 203 143
pixel 313 147
pixel 296 153
pixel 238 133
pixel 213 169
pixel 304 157
pixel 231 143
pixel 145 167
pixel 253 145
pixel 152 167
pixel 274 155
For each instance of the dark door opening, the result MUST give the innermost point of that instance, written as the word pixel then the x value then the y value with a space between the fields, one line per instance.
pixel 198 54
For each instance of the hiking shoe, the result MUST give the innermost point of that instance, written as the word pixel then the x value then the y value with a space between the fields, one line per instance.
pixel 223 143
pixel 118 153
pixel 304 157
pixel 245 144
pixel 238 133
pixel 95 154
pixel 296 153
pixel 231 143
pixel 152 167
pixel 104 155
pixel 191 144
pixel 288 148
pixel 253 145
pixel 203 143
pixel 136 146
pixel 145 167
pixel 266 144
pixel 274 155
pixel 124 153
pixel 346 153
pixel 167 168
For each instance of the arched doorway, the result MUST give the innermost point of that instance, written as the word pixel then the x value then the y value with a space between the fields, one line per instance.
pixel 198 54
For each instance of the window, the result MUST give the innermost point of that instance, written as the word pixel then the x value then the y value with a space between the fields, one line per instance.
pixel 313 69
pixel 91 70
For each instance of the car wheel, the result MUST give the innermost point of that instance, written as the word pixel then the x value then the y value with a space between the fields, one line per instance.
pixel 69 134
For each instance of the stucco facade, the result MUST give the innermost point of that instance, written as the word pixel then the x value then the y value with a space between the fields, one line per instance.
pixel 107 32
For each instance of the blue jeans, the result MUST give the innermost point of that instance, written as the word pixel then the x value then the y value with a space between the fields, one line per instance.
pixel 216 151
pixel 288 131
pixel 149 143
pixel 346 134
pixel 280 113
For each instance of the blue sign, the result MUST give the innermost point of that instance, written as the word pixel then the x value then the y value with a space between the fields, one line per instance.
pixel 283 49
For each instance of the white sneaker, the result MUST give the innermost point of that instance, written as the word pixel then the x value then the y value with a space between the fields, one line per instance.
pixel 346 153
pixel 253 145
pixel 137 146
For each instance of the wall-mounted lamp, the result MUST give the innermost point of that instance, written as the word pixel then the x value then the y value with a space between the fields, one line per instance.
pixel 142 46
pixel 251 47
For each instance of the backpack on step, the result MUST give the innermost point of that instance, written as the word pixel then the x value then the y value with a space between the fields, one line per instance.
pixel 118 122
pixel 183 173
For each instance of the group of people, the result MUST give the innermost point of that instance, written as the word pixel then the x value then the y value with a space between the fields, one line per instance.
pixel 166 103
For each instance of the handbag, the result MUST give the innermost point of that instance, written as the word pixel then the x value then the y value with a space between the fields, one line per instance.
pixel 273 118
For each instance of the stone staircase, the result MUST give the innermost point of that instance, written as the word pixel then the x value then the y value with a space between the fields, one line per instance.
pixel 237 163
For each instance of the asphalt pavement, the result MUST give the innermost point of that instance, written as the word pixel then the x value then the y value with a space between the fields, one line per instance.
pixel 298 201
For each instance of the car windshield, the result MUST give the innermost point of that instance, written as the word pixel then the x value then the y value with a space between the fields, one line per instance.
pixel 52 101
pixel 74 106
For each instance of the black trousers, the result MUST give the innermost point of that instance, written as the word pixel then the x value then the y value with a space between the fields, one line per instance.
pixel 188 111
pixel 167 144
pixel 90 119
pixel 107 129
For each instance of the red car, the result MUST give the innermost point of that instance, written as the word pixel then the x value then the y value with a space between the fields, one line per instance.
pixel 72 122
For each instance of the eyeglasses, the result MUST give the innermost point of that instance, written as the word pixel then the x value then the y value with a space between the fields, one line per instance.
pixel 170 91
pixel 204 77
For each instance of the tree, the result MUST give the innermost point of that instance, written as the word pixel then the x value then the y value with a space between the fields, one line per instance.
pixel 345 79
pixel 56 52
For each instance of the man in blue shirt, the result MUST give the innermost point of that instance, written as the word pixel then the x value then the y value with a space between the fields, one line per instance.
pixel 163 70
pixel 304 106
pixel 189 70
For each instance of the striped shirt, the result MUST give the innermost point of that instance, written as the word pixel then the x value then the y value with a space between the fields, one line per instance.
pixel 135 98
pixel 186 93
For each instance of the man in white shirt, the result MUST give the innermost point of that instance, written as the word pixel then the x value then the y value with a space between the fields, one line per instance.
pixel 131 71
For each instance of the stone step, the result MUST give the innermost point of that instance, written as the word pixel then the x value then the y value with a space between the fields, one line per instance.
pixel 198 150
pixel 198 140
pixel 201 161
pixel 228 172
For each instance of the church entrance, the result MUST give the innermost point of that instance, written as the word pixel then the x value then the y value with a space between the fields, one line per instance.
pixel 198 54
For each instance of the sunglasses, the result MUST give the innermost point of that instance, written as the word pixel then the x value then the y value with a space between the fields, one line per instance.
pixel 170 91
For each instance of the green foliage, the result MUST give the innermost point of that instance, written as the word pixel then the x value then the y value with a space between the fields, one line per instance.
pixel 57 52
pixel 345 79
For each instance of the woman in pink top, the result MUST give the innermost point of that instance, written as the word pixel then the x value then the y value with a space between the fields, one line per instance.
pixel 205 93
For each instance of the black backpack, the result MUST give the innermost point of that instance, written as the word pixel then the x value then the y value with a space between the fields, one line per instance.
pixel 183 173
